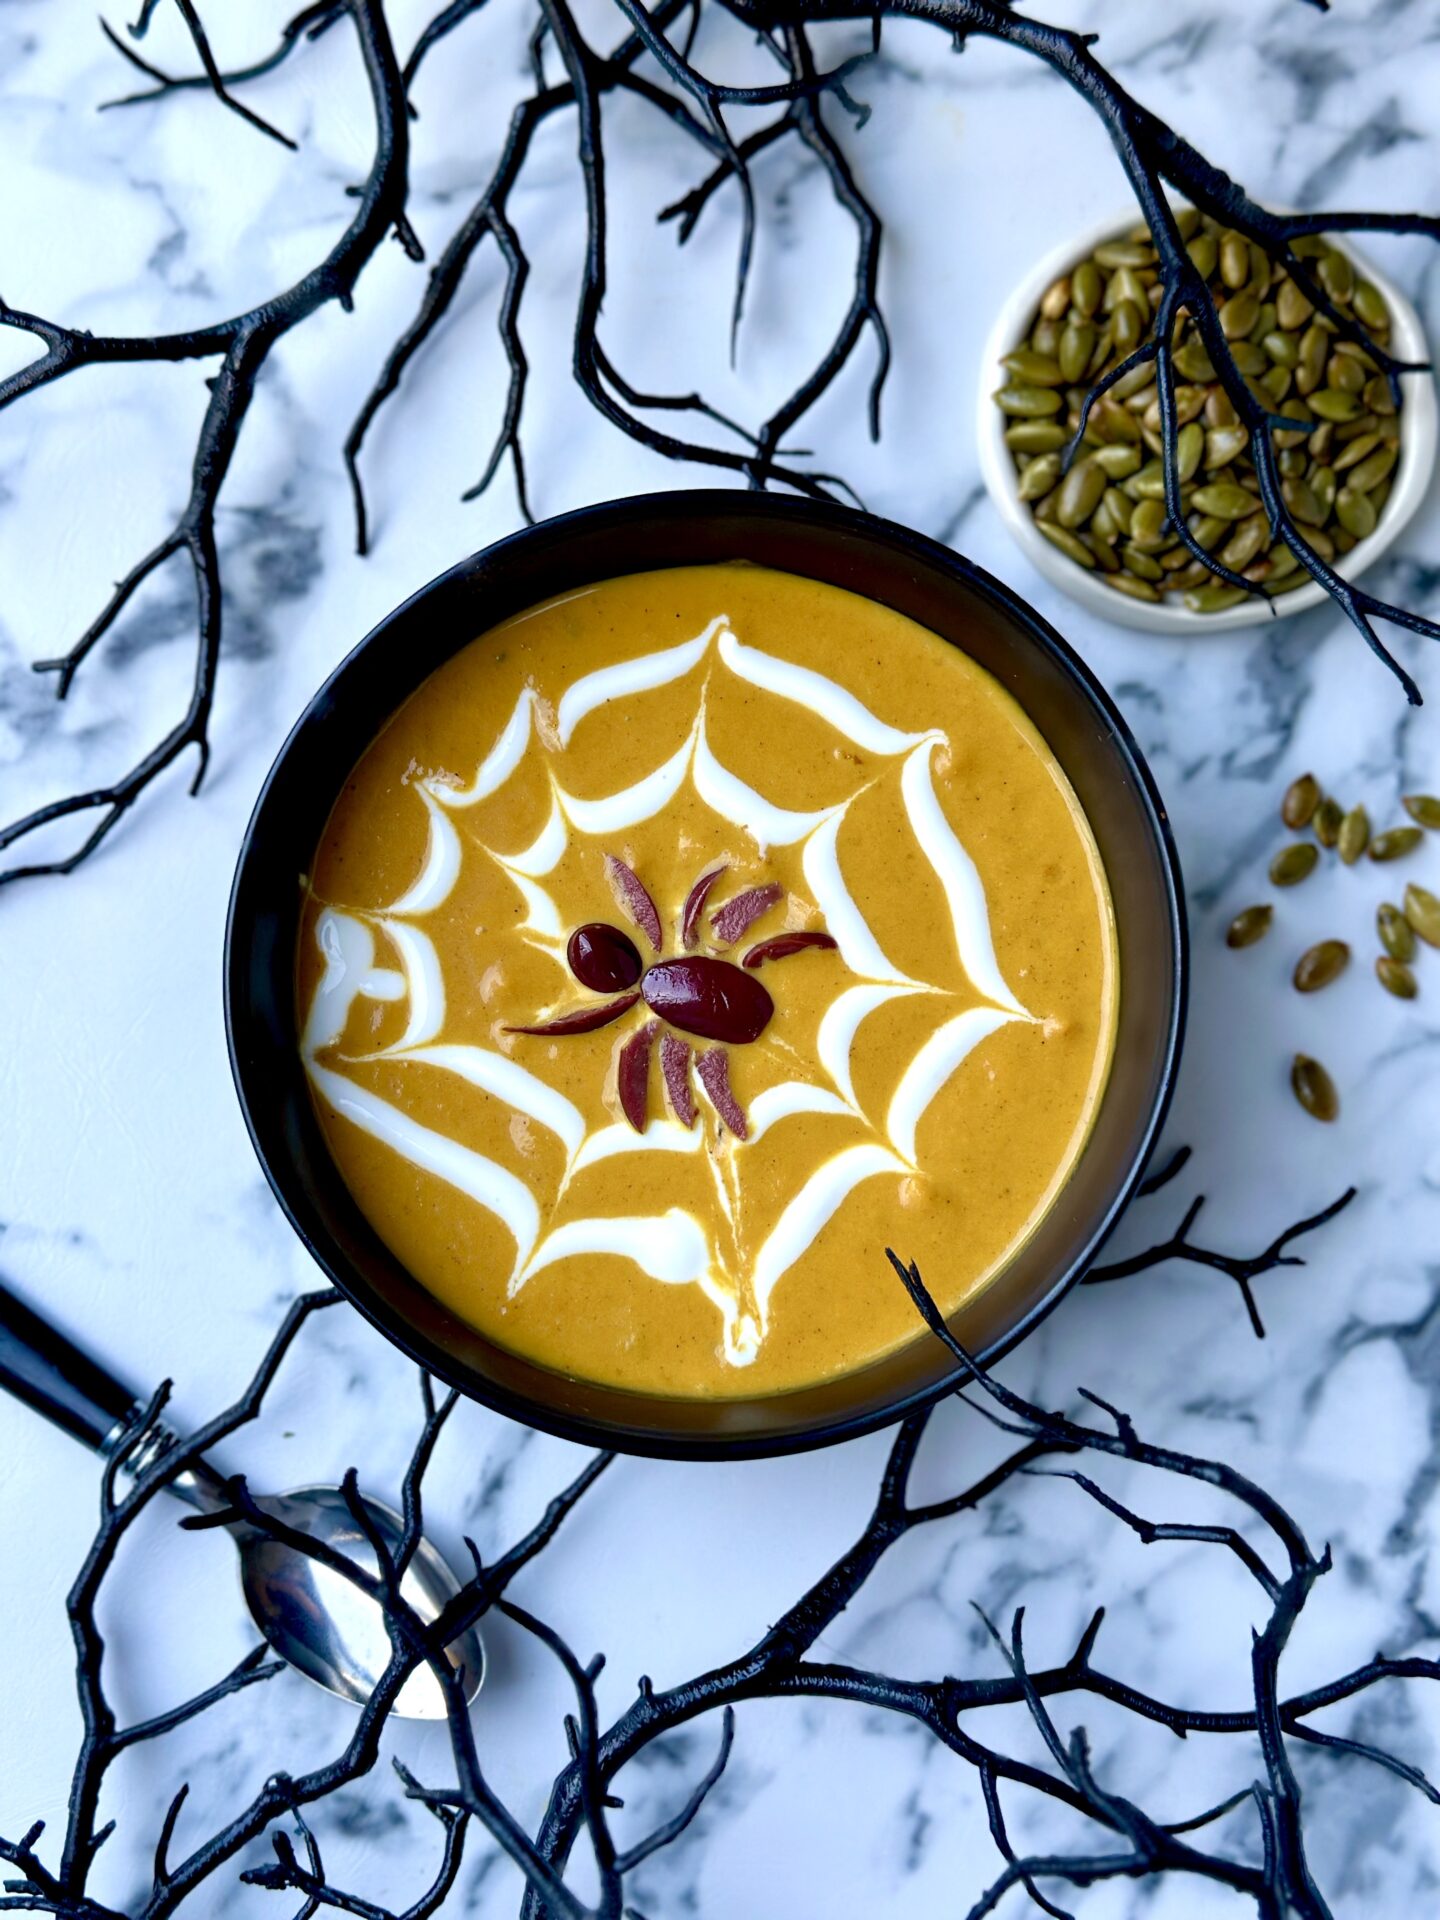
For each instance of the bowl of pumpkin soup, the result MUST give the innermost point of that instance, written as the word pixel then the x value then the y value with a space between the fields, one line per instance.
pixel 667 912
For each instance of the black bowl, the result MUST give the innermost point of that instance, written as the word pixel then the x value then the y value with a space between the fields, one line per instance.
pixel 872 557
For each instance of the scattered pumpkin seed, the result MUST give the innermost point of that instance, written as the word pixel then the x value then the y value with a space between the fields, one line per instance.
pixel 1294 863
pixel 1422 910
pixel 1321 964
pixel 1354 835
pixel 1396 977
pixel 1424 809
pixel 1395 843
pixel 1302 797
pixel 1328 816
pixel 1249 925
pixel 1397 936
pixel 1314 1088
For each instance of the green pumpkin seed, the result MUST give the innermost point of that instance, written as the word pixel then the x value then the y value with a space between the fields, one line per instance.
pixel 1036 436
pixel 1301 499
pixel 1120 508
pixel 1396 977
pixel 1222 444
pixel 1354 451
pixel 1131 587
pixel 1128 327
pixel 1033 369
pixel 1207 530
pixel 1189 446
pixel 1147 524
pixel 1355 512
pixel 1149 482
pixel 1204 251
pixel 1106 557
pixel 1370 308
pixel 1226 500
pixel 1077 344
pixel 1377 395
pixel 1069 544
pixel 1087 289
pixel 1140 564
pixel 1081 492
pixel 1422 910
pixel 1126 284
pixel 1330 403
pixel 1238 315
pixel 1423 809
pixel 1328 815
pixel 1219 408
pixel 1354 835
pixel 1277 382
pixel 1124 253
pixel 1314 350
pixel 1214 599
pixel 1282 348
pixel 1292 307
pixel 1397 936
pixel 1241 548
pixel 1293 863
pixel 1234 260
pixel 1395 843
pixel 1248 926
pixel 1250 360
pixel 1367 474
pixel 1314 1088
pixel 1320 965
pixel 1039 477
pixel 1117 462
pixel 1056 298
pixel 1325 486
pixel 1028 403
pixel 1337 275
pixel 1193 361
pixel 1302 797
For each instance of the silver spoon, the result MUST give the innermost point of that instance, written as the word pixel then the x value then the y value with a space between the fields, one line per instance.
pixel 318 1621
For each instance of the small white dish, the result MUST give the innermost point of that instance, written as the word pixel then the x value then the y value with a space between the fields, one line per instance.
pixel 1412 474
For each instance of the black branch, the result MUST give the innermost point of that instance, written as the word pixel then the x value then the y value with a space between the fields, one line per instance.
pixel 1267 1865
pixel 643 62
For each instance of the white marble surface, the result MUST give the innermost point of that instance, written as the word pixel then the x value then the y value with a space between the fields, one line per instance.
pixel 130 1201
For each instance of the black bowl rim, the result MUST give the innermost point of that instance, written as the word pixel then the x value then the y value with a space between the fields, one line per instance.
pixel 684 505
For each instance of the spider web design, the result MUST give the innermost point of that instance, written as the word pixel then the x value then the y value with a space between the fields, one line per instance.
pixel 673 1247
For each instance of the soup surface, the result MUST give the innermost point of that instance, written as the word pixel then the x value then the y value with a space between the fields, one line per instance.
pixel 682 944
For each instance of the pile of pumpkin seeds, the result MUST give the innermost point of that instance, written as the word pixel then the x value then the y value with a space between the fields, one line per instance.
pixel 1346 833
pixel 1107 514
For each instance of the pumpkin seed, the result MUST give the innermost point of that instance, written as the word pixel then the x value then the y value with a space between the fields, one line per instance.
pixel 1249 925
pixel 1354 835
pixel 1345 374
pixel 1120 509
pixel 1131 586
pixel 1283 348
pixel 1292 307
pixel 1040 476
pixel 1301 499
pixel 1204 251
pixel 1247 358
pixel 1293 863
pixel 1321 964
pixel 1214 599
pixel 1193 361
pixel 1056 298
pixel 1395 843
pixel 1314 347
pixel 1147 524
pixel 1080 493
pixel 1242 546
pixel 1422 910
pixel 1397 936
pixel 1378 396
pixel 1331 403
pixel 1029 403
pixel 1370 308
pixel 1396 977
pixel 1069 544
pixel 1189 446
pixel 1314 1088
pixel 1033 369
pixel 1128 326
pixel 1337 275
pixel 1302 797
pixel 1226 500
pixel 1077 343
pixel 1222 444
pixel 1124 253
pixel 1036 436
pixel 1140 564
pixel 1424 809
pixel 1367 474
pixel 1356 512
pixel 1355 451
pixel 1117 462
pixel 1238 315
pixel 1328 815
pixel 1234 260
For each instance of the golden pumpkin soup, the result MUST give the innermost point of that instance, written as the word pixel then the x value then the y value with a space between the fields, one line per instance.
pixel 681 944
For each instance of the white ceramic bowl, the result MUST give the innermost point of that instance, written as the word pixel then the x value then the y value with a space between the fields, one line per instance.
pixel 1412 474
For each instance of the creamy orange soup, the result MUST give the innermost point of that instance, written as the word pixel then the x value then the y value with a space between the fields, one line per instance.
pixel 681 944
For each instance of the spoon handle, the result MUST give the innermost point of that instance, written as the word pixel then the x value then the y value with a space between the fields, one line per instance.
pixel 40 1366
